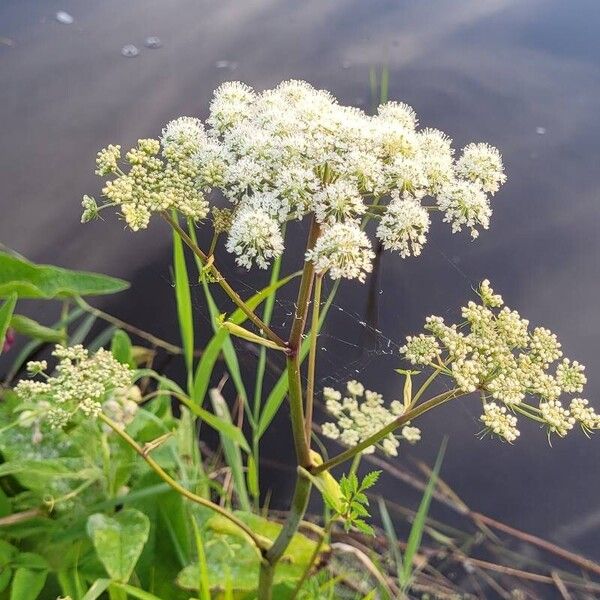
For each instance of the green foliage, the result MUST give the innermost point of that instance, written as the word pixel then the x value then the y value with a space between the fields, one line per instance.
pixel 6 312
pixel 122 349
pixel 353 501
pixel 229 556
pixel 34 330
pixel 416 531
pixel 119 540
pixel 29 280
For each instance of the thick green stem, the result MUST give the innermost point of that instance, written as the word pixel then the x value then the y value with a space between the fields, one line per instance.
pixel 275 552
pixel 313 558
pixel 235 297
pixel 312 358
pixel 379 435
pixel 256 540
pixel 303 459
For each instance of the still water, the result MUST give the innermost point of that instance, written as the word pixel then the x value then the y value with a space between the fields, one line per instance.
pixel 523 75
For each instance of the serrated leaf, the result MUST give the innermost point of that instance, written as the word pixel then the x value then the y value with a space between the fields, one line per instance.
pixel 370 480
pixel 29 280
pixel 119 540
pixel 363 527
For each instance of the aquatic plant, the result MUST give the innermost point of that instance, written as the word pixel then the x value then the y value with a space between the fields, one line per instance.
pixel 292 153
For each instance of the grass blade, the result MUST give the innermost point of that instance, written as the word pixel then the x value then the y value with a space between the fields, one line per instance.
pixel 203 581
pixel 416 531
pixel 231 449
pixel 391 536
pixel 184 304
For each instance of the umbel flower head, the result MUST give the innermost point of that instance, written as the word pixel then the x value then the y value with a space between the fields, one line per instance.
pixel 516 370
pixel 82 383
pixel 360 414
pixel 301 152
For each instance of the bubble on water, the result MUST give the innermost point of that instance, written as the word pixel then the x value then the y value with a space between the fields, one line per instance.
pixel 64 17
pixel 129 50
pixel 540 130
pixel 226 64
pixel 153 42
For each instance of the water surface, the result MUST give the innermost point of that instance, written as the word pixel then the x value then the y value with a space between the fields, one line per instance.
pixel 523 75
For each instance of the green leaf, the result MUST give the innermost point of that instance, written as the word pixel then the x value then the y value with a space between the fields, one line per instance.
pixel 27 584
pixel 224 427
pixel 122 348
pixel 28 280
pixel 416 531
pixel 5 577
pixel 119 540
pixel 231 449
pixel 6 312
pixel 228 349
pixel 369 480
pixel 391 536
pixel 31 560
pixel 32 329
pixel 229 556
pixel 184 302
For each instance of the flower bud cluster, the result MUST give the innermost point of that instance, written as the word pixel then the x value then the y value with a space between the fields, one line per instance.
pixel 493 351
pixel 360 414
pixel 81 383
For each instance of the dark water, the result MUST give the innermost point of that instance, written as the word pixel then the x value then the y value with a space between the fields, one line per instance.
pixel 523 75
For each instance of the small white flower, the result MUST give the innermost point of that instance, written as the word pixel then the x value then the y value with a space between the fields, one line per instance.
pixel 558 419
pixel 421 349
pixel 404 226
pixel 411 434
pixel 400 112
pixel 254 237
pixel 355 388
pixel 496 419
pixel 584 414
pixel 343 250
pixel 482 164
pixel 339 201
pixel 465 204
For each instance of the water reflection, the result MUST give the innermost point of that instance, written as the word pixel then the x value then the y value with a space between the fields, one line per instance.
pixel 523 75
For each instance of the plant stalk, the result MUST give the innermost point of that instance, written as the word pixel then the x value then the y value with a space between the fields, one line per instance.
pixel 235 297
pixel 379 435
pixel 256 540
pixel 303 459
pixel 312 358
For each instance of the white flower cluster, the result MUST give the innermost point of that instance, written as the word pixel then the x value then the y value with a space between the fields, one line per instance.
pixel 362 413
pixel 494 352
pixel 122 405
pixel 82 382
pixel 294 150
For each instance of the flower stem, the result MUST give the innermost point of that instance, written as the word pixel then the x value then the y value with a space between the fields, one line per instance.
pixel 379 435
pixel 260 324
pixel 256 540
pixel 303 459
pixel 275 552
pixel 312 358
